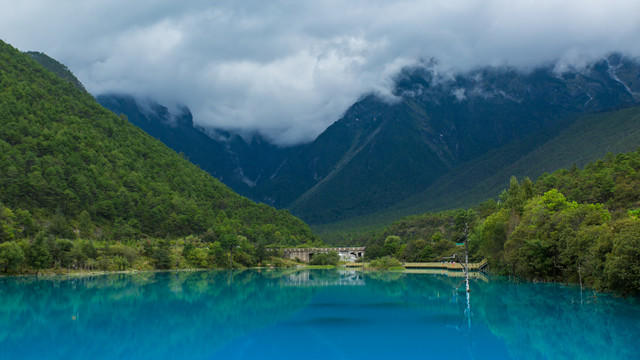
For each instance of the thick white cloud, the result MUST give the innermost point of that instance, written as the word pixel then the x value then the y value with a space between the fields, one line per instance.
pixel 289 68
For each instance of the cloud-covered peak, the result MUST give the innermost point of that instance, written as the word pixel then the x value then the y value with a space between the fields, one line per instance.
pixel 288 69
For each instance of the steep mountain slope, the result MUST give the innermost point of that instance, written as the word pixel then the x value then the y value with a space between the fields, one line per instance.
pixel 589 138
pixel 56 67
pixel 369 159
pixel 80 170
pixel 177 132
pixel 228 157
pixel 382 153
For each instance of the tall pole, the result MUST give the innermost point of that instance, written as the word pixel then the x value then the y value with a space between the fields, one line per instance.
pixel 466 254
pixel 466 270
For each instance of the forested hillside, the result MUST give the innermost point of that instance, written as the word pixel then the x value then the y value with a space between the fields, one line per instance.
pixel 71 169
pixel 56 67
pixel 575 225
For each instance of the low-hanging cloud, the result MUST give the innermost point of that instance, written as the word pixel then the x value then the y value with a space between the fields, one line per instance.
pixel 288 69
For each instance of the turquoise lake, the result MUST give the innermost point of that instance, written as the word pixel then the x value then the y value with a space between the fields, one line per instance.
pixel 309 314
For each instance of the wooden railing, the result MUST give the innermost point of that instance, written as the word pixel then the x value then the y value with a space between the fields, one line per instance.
pixel 434 265
pixel 445 265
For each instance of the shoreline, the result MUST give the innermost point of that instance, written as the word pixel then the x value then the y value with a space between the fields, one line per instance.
pixel 84 273
pixel 76 274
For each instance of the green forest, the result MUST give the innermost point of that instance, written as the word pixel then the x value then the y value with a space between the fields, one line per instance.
pixel 571 226
pixel 83 188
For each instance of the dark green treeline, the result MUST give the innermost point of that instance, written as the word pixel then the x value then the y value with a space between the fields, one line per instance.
pixel 574 226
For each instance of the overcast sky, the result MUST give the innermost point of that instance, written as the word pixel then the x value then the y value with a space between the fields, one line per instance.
pixel 290 68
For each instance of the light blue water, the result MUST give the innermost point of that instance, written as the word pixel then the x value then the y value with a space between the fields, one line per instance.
pixel 308 315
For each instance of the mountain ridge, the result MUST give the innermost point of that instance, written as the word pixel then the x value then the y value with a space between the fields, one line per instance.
pixel 379 153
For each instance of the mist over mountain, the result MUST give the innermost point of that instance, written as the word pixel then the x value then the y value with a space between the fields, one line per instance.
pixel 383 151
pixel 237 162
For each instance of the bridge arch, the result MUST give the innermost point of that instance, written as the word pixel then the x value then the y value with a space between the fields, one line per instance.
pixel 306 254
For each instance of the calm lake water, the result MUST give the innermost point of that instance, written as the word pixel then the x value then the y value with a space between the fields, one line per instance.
pixel 306 314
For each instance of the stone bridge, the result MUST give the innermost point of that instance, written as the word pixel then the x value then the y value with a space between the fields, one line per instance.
pixel 306 254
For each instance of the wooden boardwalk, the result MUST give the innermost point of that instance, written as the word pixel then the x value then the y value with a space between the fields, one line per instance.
pixel 435 265
pixel 446 265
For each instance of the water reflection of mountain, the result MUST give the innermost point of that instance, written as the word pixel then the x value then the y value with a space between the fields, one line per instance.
pixel 141 316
